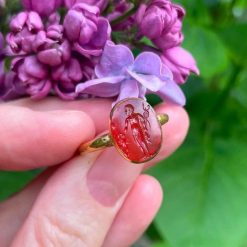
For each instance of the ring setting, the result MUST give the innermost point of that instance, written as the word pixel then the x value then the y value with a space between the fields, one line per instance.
pixel 134 130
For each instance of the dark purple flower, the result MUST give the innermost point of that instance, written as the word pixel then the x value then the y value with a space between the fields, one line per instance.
pixel 30 37
pixel 120 8
pixel 24 27
pixel 43 7
pixel 10 87
pixel 69 74
pixel 86 29
pixel 33 76
pixel 50 46
pixel 161 21
pixel 120 74
pixel 101 4
pixel 180 62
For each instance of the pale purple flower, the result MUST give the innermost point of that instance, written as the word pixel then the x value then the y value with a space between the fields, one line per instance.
pixel 86 29
pixel 2 3
pixel 180 62
pixel 43 7
pixel 120 74
pixel 101 4
pixel 69 74
pixel 161 21
pixel 33 76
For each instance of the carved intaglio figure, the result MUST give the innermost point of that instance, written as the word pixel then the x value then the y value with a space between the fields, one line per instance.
pixel 139 126
pixel 135 129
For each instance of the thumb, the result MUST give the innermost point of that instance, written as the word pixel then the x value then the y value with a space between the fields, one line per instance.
pixel 79 202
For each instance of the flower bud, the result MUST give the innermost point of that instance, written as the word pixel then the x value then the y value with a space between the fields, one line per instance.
pixel 165 18
pixel 44 7
pixel 180 62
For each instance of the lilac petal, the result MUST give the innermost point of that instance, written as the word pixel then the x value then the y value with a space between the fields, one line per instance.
pixel 104 87
pixel 34 68
pixel 86 7
pixel 26 43
pixel 55 31
pixel 74 71
pixel 87 30
pixel 57 72
pixel 151 82
pixel 129 89
pixel 34 21
pixel 102 33
pixel 44 7
pixel 114 61
pixel 173 93
pixel 18 22
pixel 65 50
pixel 64 93
pixel 10 88
pixel 87 51
pixel 52 57
pixel 182 58
pixel 166 73
pixel 72 24
pixel 142 91
pixel 40 90
pixel 148 63
pixel 40 39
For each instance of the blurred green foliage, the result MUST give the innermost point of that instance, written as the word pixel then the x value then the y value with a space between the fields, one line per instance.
pixel 205 181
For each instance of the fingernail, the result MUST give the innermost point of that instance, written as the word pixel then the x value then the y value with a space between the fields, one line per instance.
pixel 110 177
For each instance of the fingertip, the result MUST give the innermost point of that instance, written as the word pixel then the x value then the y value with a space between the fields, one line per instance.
pixel 174 131
pixel 137 212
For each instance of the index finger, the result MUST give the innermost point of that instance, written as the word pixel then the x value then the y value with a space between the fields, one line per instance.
pixel 31 139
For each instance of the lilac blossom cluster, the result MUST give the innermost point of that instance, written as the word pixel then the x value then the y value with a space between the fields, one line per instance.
pixel 88 51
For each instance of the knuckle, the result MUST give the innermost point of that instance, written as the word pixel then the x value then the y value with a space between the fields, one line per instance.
pixel 54 231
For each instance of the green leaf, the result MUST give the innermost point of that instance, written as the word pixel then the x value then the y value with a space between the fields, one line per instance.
pixel 234 38
pixel 207 48
pixel 240 91
pixel 205 195
pixel 161 245
pixel 12 182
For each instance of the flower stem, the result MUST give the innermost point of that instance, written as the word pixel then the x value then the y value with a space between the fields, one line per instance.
pixel 124 16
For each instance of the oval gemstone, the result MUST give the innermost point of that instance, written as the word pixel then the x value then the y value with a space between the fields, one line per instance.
pixel 135 130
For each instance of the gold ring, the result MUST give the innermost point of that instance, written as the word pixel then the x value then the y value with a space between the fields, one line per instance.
pixel 135 131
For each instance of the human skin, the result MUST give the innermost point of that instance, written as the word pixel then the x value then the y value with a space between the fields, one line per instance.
pixel 94 200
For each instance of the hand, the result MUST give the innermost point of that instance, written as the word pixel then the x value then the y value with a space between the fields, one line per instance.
pixel 94 200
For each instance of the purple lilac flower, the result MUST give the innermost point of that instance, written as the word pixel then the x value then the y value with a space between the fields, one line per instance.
pixel 44 7
pixel 161 21
pixel 120 8
pixel 180 62
pixel 86 29
pixel 33 76
pixel 120 74
pixel 101 4
pixel 2 3
pixel 67 76
pixel 29 37
pixel 24 27
pixel 10 86
pixel 9 83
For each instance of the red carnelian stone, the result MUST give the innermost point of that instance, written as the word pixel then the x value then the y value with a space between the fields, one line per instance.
pixel 135 130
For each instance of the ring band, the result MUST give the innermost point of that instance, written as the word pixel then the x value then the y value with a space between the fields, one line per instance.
pixel 135 131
